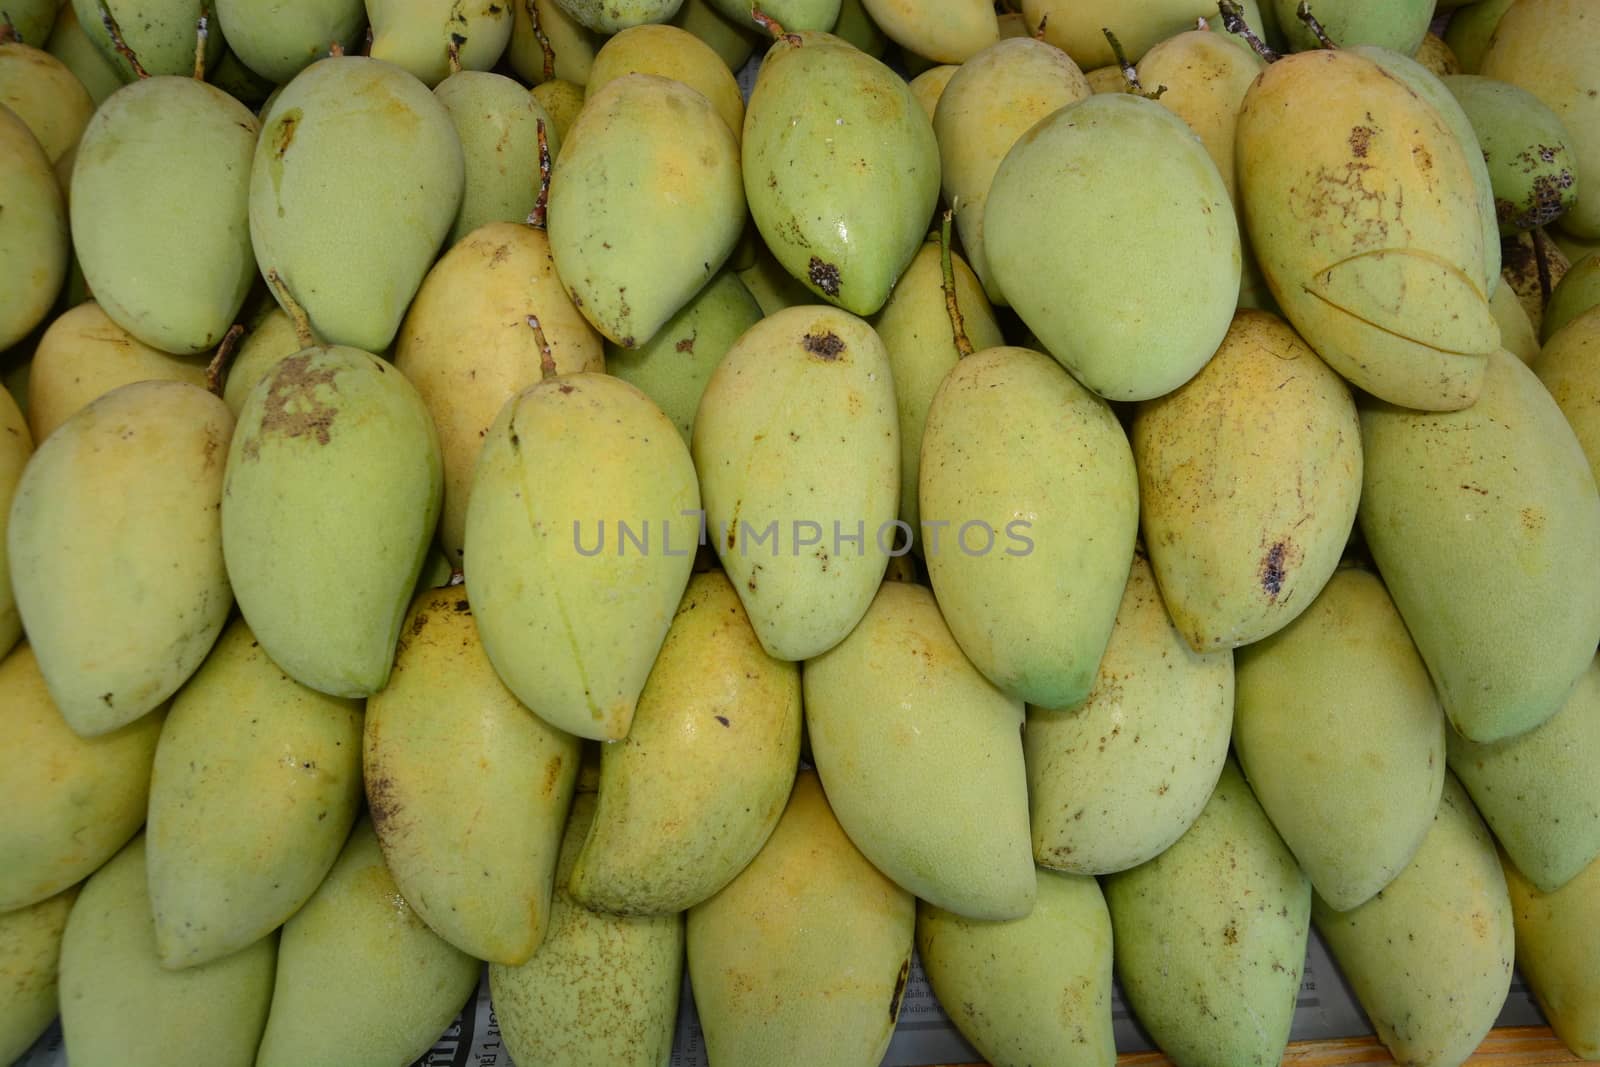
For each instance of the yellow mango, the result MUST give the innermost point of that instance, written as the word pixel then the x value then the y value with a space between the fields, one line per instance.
pixel 672 53
pixel 46 95
pixel 16 446
pixel 33 233
pixel 947 31
pixel 1569 367
pixel 929 86
pixel 1436 58
pixel 561 100
pixel 30 953
pixel 1077 26
pixel 270 342
pixel 1469 30
pixel 1559 954
pixel 572 45
pixel 1517 335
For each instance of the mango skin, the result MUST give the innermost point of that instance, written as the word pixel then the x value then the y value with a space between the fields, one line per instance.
pixel 255 785
pixel 1430 958
pixel 928 87
pixel 1398 25
pixel 609 17
pixel 33 19
pixel 269 343
pixel 841 168
pixel 33 234
pixel 1537 791
pixel 693 792
pixel 1011 436
pixel 498 123
pixel 30 951
pixel 1210 936
pixel 561 100
pixel 467 347
pixel 888 712
pixel 354 145
pixel 122 593
pixel 46 95
pixel 1557 953
pixel 1531 166
pixel 1517 334
pixel 160 32
pixel 415 34
pixel 1576 293
pixel 952 31
pixel 1034 990
pixel 796 960
pixel 796 16
pixel 16 447
pixel 279 40
pixel 572 45
pixel 73 47
pixel 619 166
pixel 1074 26
pixel 601 989
pixel 120 1006
pixel 989 103
pixel 1494 505
pixel 75 800
pixel 1435 57
pixel 361 981
pixel 467 789
pixel 1569 367
pixel 1342 283
pixel 1152 690
pixel 1093 184
pixel 1237 557
pixel 571 613
pixel 671 53
pixel 1469 31
pixel 163 176
pixel 1337 727
pixel 733 42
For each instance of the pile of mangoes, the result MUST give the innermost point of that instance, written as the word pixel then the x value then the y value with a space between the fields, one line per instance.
pixel 1100 507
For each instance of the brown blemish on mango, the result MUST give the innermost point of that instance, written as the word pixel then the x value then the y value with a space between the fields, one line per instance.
pixel 292 407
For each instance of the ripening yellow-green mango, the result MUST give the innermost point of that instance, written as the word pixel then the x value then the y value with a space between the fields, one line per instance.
pixel 270 341
pixel 34 247
pixel 1078 26
pixel 1558 952
pixel 160 32
pixel 1569 366
pixel 45 94
pixel 1517 334
pixel 499 124
pixel 571 50
pixel 672 53
pixel 929 86
pixel 16 446
pixel 30 954
pixel 946 31
pixel 1578 291
pixel 416 35
pixel 278 41
pixel 734 42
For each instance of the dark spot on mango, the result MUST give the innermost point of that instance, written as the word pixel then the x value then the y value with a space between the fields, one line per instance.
pixel 381 802
pixel 462 607
pixel 1360 137
pixel 687 344
pixel 418 623
pixel 899 989
pixel 284 135
pixel 293 407
pixel 1272 572
pixel 723 719
pixel 825 345
pixel 824 276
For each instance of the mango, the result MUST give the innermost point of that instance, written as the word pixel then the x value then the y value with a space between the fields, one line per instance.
pixel 70 44
pixel 856 25
pixel 561 100
pixel 1210 936
pixel 269 343
pixel 888 712
pixel 416 35
pixel 1033 990
pixel 1077 26
pixel 1525 147
pixel 122 592
pixel 773 287
pixel 1517 334
pixel 734 42
pixel 1447 917
pixel 30 952
pixel 795 16
pixel 161 33
pixel 240 82
pixel 331 498
pixel 580 535
pixel 1532 266
pixel 357 180
pixel 120 1006
pixel 256 783
pixel 613 16
pixel 1115 780
pixel 671 53
pixel 16 446
pixel 928 87
pixel 1569 367
pixel 841 168
pixel 798 450
pixel 949 31
pixel 1055 223
pixel 601 989
pixel 1574 249
pixel 32 19
pixel 1468 31
pixel 75 800
pixel 278 41
pixel 498 123
pixel 796 960
pixel 1337 727
pixel 1576 293
pixel 46 95
pixel 1494 505
pixel 468 790
pixel 643 147
pixel 571 45
pixel 1558 955
pixel 1436 58
pixel 33 232
pixel 1551 48
pixel 1106 79
pixel 361 980
pixel 1237 557
pixel 1398 25
pixel 988 105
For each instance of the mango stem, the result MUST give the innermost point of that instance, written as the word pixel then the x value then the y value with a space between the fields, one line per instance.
pixel 217 369
pixel 115 32
pixel 772 26
pixel 537 218
pixel 1044 20
pixel 201 33
pixel 291 306
pixel 544 41
pixel 336 50
pixel 1130 73
pixel 547 362
pixel 1234 22
pixel 1303 13
pixel 958 326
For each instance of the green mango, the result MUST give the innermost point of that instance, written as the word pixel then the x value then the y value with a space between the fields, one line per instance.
pixel 467 789
pixel 571 45
pixel 914 326
pixel 687 801
pixel 1558 955
pixel 856 25
pixel 1309 161
pixel 1238 558
pixel 1525 147
pixel 46 95
pixel 1517 334
pixel 1152 202
pixel 416 35
pixel 561 100
pixel 1141 755
pixel 675 366
pixel 1446 917
pixel 734 42
pixel 359 176
pixel 16 447
pixel 240 82
pixel 331 498
pixel 1210 936
pixel 1569 367
pixel 467 346
pixel 990 102
pixel 841 168
pixel 805 391
pixel 795 16
pixel 120 1006
pixel 1538 791
pixel 32 19
pixel 601 989
pixel 277 41
pixel 163 34
pixel 643 147
pixel 1576 293
pixel 889 712
pixel 613 16
pixel 1551 48
pixel 580 536
pixel 163 175
pixel 1031 480
pixel 1077 27
pixel 33 233
pixel 1398 25
pixel 1033 990
pixel 30 953
pixel 1337 727
pixel 1574 249
pixel 73 47
pixel 362 981
pixel 75 800
pixel 948 31
pixel 256 783
pixel 671 53
pixel 796 959
pixel 928 87
pixel 271 341
pixel 1485 524
pixel 122 593
pixel 1468 31
pixel 498 123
